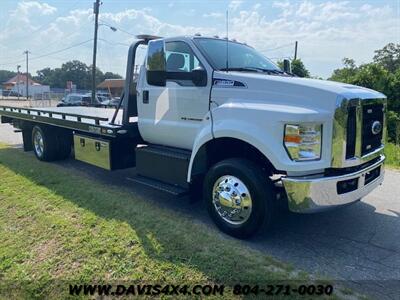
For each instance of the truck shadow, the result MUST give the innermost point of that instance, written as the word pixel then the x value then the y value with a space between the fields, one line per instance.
pixel 325 243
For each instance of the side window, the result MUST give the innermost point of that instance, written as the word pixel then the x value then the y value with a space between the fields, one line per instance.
pixel 180 57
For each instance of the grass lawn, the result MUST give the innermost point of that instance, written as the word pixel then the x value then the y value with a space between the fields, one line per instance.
pixel 59 227
pixel 392 153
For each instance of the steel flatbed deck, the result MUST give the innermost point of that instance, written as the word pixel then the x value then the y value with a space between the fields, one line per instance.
pixel 86 119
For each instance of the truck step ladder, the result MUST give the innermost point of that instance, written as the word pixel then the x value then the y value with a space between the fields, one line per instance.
pixel 161 186
pixel 165 164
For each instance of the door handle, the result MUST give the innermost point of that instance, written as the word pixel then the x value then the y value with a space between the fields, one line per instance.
pixel 145 97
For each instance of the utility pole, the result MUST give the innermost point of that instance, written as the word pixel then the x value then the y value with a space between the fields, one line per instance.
pixel 295 51
pixel 96 8
pixel 18 79
pixel 27 74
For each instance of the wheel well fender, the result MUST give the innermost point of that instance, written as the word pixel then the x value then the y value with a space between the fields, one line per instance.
pixel 214 150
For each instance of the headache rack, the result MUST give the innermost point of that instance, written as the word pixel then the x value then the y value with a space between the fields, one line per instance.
pixel 96 124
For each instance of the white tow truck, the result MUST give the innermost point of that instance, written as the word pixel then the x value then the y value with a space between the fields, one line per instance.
pixel 215 117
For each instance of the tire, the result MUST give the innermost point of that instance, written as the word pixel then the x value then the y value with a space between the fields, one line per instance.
pixel 64 139
pixel 196 189
pixel 50 144
pixel 242 177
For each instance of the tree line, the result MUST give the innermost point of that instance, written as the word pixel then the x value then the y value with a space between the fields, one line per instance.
pixel 76 71
pixel 383 75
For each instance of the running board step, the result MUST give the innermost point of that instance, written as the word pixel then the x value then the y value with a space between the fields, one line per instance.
pixel 165 164
pixel 159 185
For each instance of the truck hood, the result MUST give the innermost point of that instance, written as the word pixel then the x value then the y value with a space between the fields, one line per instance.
pixel 260 87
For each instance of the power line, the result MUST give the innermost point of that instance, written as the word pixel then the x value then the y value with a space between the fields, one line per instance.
pixel 13 62
pixel 48 54
pixel 119 28
pixel 61 50
pixel 40 49
pixel 113 43
pixel 276 48
pixel 64 36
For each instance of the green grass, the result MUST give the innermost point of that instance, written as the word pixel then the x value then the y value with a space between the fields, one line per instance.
pixel 58 226
pixel 392 153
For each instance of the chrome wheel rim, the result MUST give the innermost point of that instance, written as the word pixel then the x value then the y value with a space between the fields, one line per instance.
pixel 38 143
pixel 232 200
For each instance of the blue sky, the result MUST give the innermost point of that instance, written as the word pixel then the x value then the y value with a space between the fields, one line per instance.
pixel 326 31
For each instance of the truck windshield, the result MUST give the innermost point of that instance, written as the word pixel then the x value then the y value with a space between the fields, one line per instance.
pixel 241 57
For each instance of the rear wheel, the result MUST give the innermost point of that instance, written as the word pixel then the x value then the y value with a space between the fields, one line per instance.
pixel 50 144
pixel 239 197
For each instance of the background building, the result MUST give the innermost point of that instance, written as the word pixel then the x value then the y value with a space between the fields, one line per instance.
pixel 17 86
pixel 113 86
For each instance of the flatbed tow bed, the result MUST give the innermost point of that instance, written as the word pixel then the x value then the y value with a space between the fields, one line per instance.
pixel 97 135
pixel 86 119
pixel 104 137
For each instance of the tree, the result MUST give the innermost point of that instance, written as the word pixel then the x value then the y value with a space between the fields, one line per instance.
pixel 111 75
pixel 5 75
pixel 383 75
pixel 76 71
pixel 298 68
pixel 347 73
pixel 388 57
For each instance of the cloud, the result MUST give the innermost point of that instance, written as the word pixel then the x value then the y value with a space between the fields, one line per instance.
pixel 306 9
pixel 215 15
pixel 326 31
pixel 234 5
pixel 28 6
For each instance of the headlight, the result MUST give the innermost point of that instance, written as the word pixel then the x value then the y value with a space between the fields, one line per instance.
pixel 303 141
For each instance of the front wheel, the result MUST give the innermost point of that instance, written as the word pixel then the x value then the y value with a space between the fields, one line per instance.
pixel 239 197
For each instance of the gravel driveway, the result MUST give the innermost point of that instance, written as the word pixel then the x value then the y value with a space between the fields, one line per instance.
pixel 359 243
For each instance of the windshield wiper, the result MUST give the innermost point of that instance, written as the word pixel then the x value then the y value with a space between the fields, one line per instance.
pixel 246 69
pixel 275 71
pixel 261 70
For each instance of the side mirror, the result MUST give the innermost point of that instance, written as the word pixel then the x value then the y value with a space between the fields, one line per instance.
pixel 199 77
pixel 287 66
pixel 156 64
pixel 158 78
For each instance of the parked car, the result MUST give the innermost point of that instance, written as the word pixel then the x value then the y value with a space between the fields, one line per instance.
pixel 104 95
pixel 103 99
pixel 79 100
pixel 112 102
pixel 9 93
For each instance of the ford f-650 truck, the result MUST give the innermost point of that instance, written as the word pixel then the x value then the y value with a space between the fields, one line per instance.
pixel 215 117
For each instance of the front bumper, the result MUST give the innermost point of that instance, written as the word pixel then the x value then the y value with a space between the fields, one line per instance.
pixel 312 194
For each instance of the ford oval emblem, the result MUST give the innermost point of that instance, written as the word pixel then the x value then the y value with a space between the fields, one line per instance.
pixel 376 127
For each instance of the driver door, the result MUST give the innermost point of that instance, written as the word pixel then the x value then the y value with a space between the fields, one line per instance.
pixel 171 115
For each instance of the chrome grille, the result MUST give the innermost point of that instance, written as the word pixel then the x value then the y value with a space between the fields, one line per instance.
pixel 351 132
pixel 372 115
pixel 354 141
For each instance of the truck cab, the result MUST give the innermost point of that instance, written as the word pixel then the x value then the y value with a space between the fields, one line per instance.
pixel 214 117
pixel 245 121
